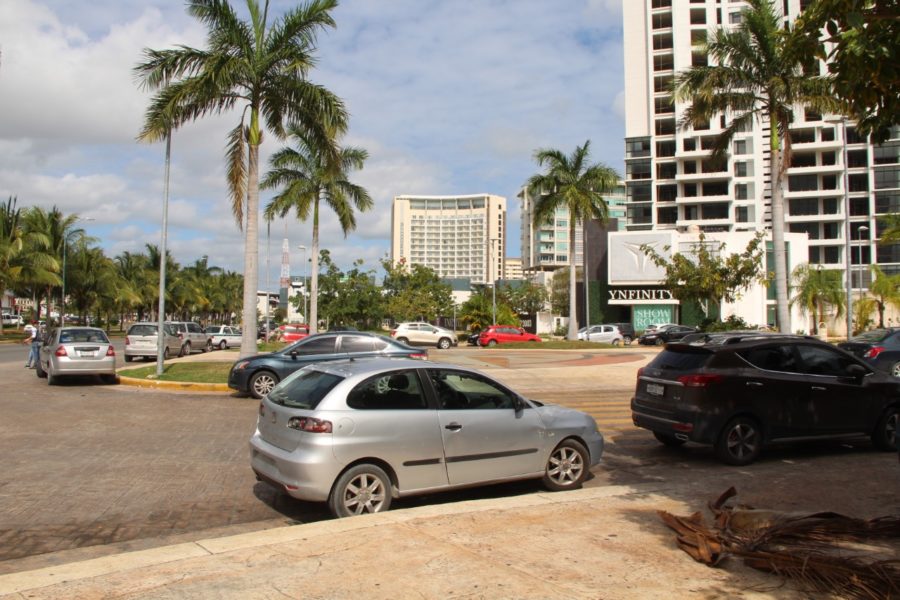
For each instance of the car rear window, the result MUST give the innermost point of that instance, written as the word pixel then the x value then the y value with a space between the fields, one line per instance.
pixel 79 336
pixel 142 330
pixel 305 389
pixel 680 360
pixel 877 335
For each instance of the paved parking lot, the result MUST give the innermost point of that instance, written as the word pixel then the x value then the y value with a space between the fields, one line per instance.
pixel 89 469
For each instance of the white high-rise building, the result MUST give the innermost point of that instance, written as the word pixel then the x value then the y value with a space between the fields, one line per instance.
pixel 834 191
pixel 457 236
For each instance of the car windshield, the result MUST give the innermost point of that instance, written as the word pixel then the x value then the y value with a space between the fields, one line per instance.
pixel 304 389
pixel 78 336
pixel 876 335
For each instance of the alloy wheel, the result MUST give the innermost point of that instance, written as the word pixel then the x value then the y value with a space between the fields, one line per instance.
pixel 565 466
pixel 364 494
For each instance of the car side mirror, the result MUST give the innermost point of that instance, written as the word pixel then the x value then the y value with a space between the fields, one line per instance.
pixel 856 371
pixel 518 403
pixel 293 355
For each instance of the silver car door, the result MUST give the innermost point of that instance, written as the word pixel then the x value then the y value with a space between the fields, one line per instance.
pixel 485 437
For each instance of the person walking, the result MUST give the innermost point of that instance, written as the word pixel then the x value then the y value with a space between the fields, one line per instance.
pixel 35 338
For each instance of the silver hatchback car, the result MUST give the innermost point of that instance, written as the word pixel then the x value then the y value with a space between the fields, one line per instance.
pixel 357 434
pixel 76 351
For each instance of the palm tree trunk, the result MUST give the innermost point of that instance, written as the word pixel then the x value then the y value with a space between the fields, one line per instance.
pixel 782 312
pixel 314 275
pixel 251 254
pixel 573 323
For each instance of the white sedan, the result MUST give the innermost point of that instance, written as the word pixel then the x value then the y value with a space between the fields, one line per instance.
pixel 224 336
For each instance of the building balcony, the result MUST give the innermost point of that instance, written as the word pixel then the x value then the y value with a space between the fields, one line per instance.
pixel 692 177
pixel 813 193
pixel 703 199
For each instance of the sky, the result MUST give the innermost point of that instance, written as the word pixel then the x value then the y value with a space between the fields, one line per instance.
pixel 447 97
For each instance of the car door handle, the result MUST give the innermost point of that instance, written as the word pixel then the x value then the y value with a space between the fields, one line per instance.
pixel 453 426
pixel 817 388
pixel 754 384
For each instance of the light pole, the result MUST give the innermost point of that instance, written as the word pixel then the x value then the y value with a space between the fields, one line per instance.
pixel 268 235
pixel 62 303
pixel 847 231
pixel 163 238
pixel 302 248
pixel 862 229
pixel 493 283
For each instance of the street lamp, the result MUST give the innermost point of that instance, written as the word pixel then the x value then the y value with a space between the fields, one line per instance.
pixel 62 310
pixel 862 229
pixel 268 235
pixel 493 283
pixel 847 231
pixel 302 248
pixel 163 253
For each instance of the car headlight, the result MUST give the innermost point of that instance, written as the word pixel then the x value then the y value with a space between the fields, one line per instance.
pixel 241 365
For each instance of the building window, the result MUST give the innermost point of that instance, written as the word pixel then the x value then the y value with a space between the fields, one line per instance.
pixel 742 214
pixel 884 155
pixel 740 168
pixel 667 216
pixel 637 147
pixel 665 126
pixel 715 188
pixel 698 16
pixel 828 159
pixel 690 167
pixel 830 206
pixel 735 18
pixel 741 191
pixel 803 136
pixel 638 169
pixel 714 211
pixel 689 144
pixel 699 59
pixel 662 41
pixel 803 159
pixel 714 165
pixel 803 206
pixel 665 148
pixel 886 202
pixel 666 193
pixel 690 190
pixel 662 83
pixel 639 192
pixel 663 62
pixel 858 182
pixel 828 134
pixel 666 170
pixel 830 231
pixel 662 20
pixel 741 147
pixel 664 106
pixel 803 183
pixel 661 4
pixel 887 178
pixel 859 158
pixel 853 136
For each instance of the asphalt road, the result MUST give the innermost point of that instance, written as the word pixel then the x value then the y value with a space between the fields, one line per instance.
pixel 90 469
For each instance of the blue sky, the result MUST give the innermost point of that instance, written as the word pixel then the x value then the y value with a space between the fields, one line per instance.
pixel 448 97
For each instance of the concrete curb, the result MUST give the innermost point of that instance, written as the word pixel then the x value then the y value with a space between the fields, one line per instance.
pixel 184 386
pixel 39 578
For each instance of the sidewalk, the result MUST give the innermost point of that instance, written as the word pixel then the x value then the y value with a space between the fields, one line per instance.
pixel 593 543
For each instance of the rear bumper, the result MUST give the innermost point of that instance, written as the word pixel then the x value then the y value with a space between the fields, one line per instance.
pixel 69 366
pixel 686 425
pixel 300 475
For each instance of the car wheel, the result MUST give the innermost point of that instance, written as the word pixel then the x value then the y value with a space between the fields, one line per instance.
pixel 443 343
pixel 165 353
pixel 895 370
pixel 885 435
pixel 208 347
pixel 109 379
pixel 262 383
pixel 223 344
pixel 660 341
pixel 128 358
pixel 361 490
pixel 740 442
pixel 616 342
pixel 402 340
pixel 39 370
pixel 492 342
pixel 186 349
pixel 627 339
pixel 567 467
pixel 667 439
pixel 51 378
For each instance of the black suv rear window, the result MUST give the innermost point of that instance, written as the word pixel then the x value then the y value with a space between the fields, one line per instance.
pixel 679 360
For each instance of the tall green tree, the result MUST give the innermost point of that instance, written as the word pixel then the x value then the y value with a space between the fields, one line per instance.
pixel 38 266
pixel 859 40
pixel 884 291
pixel 260 71
pixel 573 183
pixel 414 292
pixel 759 71
pixel 815 289
pixel 477 312
pixel 706 274
pixel 310 175
pixel 891 233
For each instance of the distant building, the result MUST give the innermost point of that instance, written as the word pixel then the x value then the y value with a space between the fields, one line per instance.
pixel 513 269
pixel 457 236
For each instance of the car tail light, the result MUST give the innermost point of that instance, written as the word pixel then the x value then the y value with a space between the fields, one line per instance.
pixel 110 351
pixel 420 355
pixel 262 409
pixel 181 336
pixel 393 333
pixel 61 351
pixel 640 372
pixel 699 380
pixel 309 424
pixel 874 351
pixel 127 341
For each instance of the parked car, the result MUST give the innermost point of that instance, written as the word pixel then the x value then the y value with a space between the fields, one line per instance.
pixel 257 375
pixel 424 334
pixel 12 319
pixel 748 390
pixel 504 334
pixel 223 336
pixel 142 341
pixel 261 329
pixel 76 351
pixel 292 332
pixel 627 330
pixel 472 339
pixel 602 334
pixel 879 347
pixel 658 327
pixel 192 337
pixel 415 427
pixel 669 333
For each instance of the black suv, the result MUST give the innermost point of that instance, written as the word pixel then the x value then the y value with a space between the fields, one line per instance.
pixel 739 392
pixel 627 331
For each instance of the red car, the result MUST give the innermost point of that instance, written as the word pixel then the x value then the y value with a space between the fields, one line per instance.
pixel 293 332
pixel 503 334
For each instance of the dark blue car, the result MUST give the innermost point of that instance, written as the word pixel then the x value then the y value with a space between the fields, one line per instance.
pixel 257 375
pixel 879 347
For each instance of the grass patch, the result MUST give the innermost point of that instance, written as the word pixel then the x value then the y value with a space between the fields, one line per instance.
pixel 199 372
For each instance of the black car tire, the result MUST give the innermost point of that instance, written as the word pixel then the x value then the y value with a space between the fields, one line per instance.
pixel 109 379
pixel 262 383
pixel 567 467
pixel 165 353
pixel 186 349
pixel 128 358
pixel 402 340
pixel 223 344
pixel 884 436
pixel 443 343
pixel 492 342
pixel 740 442
pixel 616 342
pixel 51 378
pixel 660 341
pixel 362 489
pixel 39 370
pixel 208 347
pixel 667 439
pixel 627 339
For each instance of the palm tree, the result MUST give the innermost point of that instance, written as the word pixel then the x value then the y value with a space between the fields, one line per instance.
pixel 891 232
pixel 759 71
pixel 259 70
pixel 571 182
pixel 309 175
pixel 817 288
pixel 61 232
pixel 885 289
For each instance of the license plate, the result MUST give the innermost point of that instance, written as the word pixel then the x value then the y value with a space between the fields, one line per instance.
pixel 654 389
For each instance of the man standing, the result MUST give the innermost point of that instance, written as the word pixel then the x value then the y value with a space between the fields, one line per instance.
pixel 34 338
